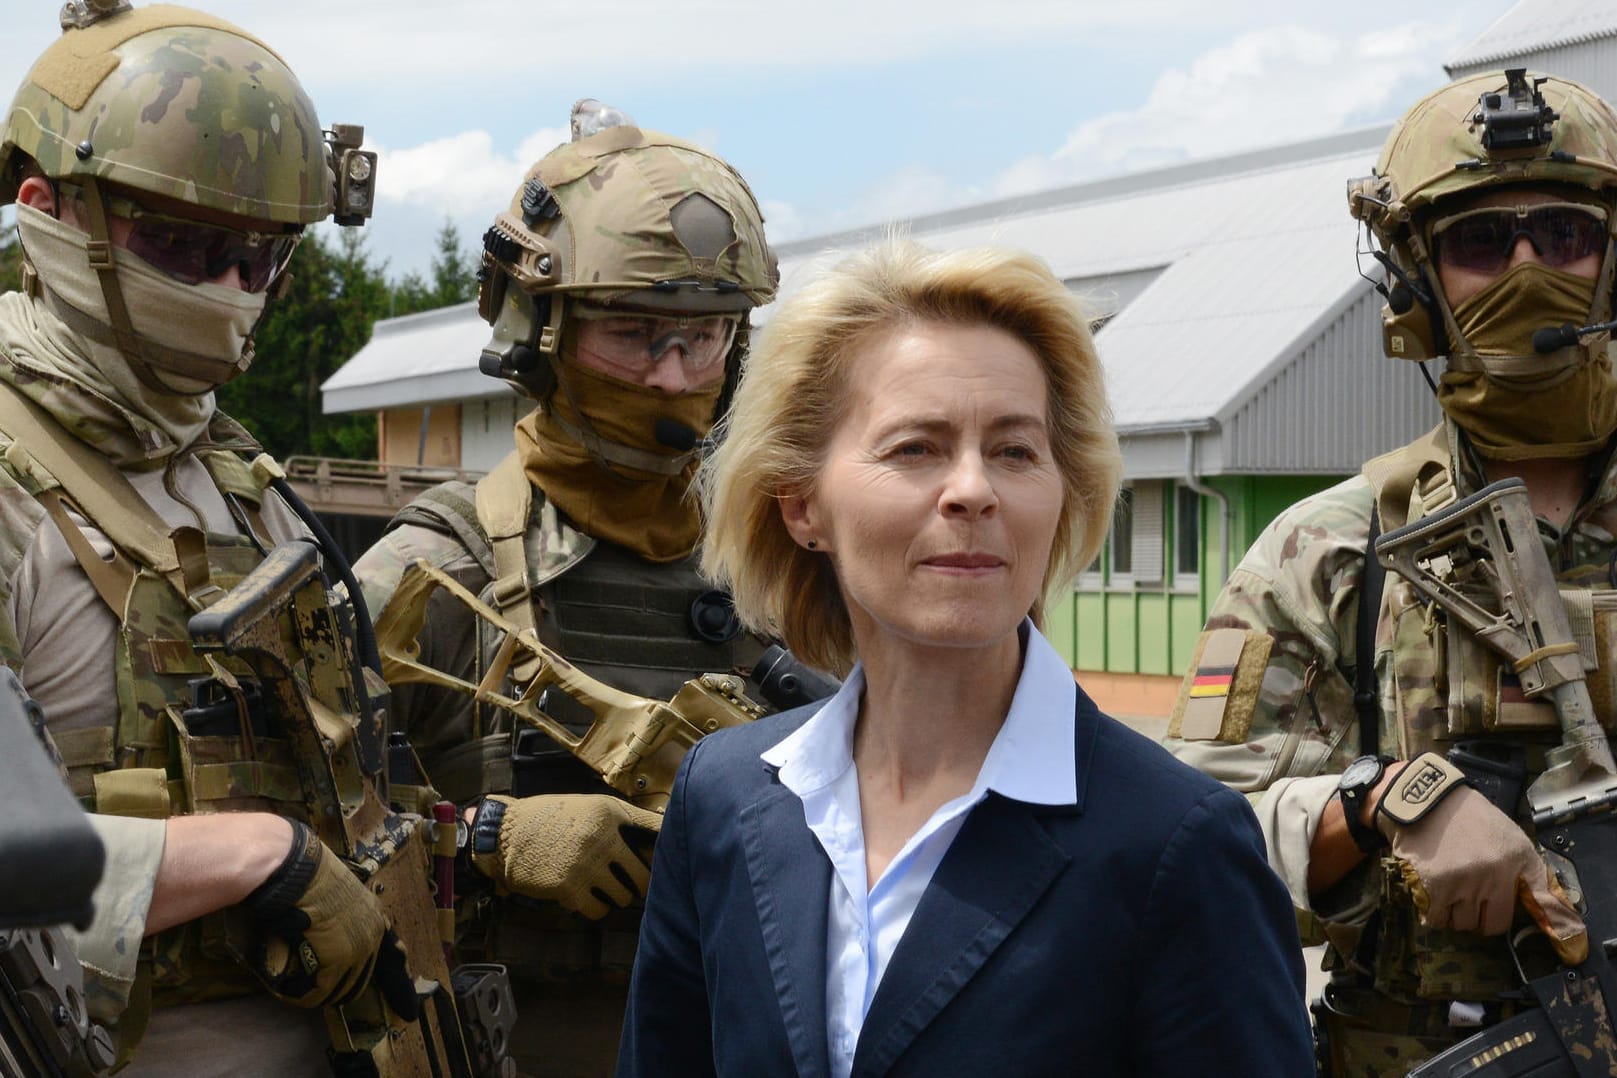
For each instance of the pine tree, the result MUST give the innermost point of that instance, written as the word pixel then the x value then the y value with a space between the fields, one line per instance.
pixel 334 296
pixel 452 277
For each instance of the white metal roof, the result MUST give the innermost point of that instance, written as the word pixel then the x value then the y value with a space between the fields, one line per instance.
pixel 1231 274
pixel 1536 25
pixel 415 359
pixel 1253 251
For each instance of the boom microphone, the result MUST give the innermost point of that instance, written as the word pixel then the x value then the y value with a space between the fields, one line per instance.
pixel 1554 338
pixel 676 435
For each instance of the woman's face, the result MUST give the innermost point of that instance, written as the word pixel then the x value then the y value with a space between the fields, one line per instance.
pixel 938 498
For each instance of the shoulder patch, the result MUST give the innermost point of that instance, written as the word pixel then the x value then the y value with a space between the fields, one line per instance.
pixel 1221 686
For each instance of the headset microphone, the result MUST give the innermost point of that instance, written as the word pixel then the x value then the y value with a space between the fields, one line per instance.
pixel 1554 338
pixel 676 435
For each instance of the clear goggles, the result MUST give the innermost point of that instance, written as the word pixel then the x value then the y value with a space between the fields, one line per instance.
pixel 193 252
pixel 638 342
pixel 1481 240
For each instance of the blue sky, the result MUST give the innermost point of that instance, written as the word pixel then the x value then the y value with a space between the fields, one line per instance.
pixel 840 113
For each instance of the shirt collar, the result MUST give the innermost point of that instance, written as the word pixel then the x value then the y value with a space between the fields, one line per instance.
pixel 1030 760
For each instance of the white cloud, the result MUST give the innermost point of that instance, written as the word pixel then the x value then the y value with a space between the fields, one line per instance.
pixel 1263 88
pixel 509 45
pixel 460 168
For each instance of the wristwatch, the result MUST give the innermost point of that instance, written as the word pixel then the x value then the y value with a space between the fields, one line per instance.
pixel 1357 781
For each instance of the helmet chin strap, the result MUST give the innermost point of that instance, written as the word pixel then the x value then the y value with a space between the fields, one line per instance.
pixel 99 250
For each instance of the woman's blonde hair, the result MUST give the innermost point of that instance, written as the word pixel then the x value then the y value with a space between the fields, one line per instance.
pixel 794 393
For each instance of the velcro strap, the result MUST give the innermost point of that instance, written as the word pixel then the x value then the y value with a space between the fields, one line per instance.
pixel 90 747
pixel 133 791
pixel 1427 780
pixel 472 768
pixel 508 591
pixel 246 778
pixel 1216 698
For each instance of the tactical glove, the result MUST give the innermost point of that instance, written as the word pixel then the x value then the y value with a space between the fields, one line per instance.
pixel 324 934
pixel 1467 864
pixel 571 849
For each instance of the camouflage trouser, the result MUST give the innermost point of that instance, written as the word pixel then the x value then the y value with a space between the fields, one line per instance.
pixel 1360 1033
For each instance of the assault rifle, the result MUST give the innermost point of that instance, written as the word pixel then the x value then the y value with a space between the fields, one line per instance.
pixel 1482 562
pixel 53 861
pixel 281 621
pixel 633 743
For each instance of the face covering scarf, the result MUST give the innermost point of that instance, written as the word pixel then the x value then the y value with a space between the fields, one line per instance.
pixel 193 335
pixel 1514 403
pixel 646 512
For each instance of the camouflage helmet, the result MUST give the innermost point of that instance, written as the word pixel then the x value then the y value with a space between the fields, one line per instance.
pixel 174 102
pixel 619 217
pixel 1484 131
pixel 1490 130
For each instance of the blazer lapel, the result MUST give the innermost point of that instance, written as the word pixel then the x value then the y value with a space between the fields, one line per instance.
pixel 997 868
pixel 791 885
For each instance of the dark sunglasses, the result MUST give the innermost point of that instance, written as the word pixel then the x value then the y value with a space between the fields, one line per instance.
pixel 1482 240
pixel 192 251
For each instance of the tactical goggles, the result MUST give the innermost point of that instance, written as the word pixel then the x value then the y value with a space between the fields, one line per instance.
pixel 193 252
pixel 1481 240
pixel 637 342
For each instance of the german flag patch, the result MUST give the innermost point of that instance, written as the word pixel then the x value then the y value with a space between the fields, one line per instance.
pixel 1218 693
pixel 1214 682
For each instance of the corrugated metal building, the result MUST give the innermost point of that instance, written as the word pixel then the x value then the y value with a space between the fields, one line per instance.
pixel 1571 38
pixel 1243 323
pixel 1242 349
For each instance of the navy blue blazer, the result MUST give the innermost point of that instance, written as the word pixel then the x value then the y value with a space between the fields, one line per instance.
pixel 1138 931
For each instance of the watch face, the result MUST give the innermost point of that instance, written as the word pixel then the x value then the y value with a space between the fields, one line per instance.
pixel 1360 773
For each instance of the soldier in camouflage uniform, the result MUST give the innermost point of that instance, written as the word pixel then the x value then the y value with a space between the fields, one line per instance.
pixel 163 164
pixel 1491 208
pixel 618 285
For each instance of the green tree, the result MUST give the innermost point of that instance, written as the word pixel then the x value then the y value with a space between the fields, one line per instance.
pixel 451 279
pixel 334 296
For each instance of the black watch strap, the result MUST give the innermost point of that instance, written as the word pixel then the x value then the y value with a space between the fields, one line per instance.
pixel 1354 796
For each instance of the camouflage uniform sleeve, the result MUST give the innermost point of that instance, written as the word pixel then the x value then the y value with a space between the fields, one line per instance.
pixel 435 719
pixel 1287 734
pixel 110 947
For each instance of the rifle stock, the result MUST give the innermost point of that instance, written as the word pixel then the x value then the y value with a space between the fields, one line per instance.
pixel 1482 562
pixel 634 744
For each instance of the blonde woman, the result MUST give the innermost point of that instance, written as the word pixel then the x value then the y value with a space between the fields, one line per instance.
pixel 956 865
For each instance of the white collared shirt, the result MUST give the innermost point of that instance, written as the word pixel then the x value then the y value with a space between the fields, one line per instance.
pixel 1031 760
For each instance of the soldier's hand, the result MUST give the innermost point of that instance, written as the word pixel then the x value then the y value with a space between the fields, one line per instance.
pixel 325 937
pixel 572 849
pixel 1468 864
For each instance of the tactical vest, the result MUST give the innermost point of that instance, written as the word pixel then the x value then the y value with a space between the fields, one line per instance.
pixel 628 622
pixel 1440 686
pixel 169 751
pixel 619 618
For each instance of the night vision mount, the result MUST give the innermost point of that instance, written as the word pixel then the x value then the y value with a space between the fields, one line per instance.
pixel 1517 119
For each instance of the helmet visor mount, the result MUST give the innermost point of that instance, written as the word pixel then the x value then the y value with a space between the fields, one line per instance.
pixel 1482 240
